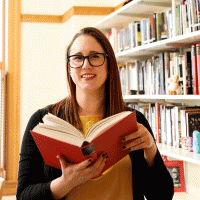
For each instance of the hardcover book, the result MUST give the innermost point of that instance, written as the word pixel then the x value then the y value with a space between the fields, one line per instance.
pixel 56 136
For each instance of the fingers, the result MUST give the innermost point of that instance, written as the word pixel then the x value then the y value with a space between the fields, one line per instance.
pixel 135 145
pixel 83 164
pixel 135 134
pixel 140 139
pixel 63 161
pixel 98 166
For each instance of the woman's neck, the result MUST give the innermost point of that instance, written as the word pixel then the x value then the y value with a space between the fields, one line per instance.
pixel 91 104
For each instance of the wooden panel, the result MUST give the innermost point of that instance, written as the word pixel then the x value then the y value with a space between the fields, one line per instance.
pixel 79 10
pixel 41 18
pixel 9 188
pixel 13 96
pixel 75 10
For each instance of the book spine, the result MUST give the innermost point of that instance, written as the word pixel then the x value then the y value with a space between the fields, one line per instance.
pixel 189 73
pixel 173 127
pixel 163 26
pixel 158 26
pixel 179 20
pixel 89 152
pixel 148 30
pixel 194 14
pixel 177 126
pixel 187 18
pixel 167 70
pixel 180 70
pixel 191 25
pixel 130 26
pixel 175 18
pixel 183 11
pixel 184 75
pixel 198 13
pixel 157 120
pixel 127 79
pixel 198 66
pixel 154 36
pixel 169 128
pixel 194 70
pixel 138 33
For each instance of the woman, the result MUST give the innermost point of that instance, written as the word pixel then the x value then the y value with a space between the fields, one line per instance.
pixel 95 93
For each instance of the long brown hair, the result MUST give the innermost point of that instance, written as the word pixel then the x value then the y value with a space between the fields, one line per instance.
pixel 68 108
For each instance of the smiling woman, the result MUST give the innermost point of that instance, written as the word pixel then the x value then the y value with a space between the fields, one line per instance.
pixel 89 75
pixel 95 93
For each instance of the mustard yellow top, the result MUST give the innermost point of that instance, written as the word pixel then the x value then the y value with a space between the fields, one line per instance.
pixel 115 183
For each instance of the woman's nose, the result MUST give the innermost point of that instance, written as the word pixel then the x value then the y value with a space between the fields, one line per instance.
pixel 86 64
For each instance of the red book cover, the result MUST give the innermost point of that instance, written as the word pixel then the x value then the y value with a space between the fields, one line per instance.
pixel 198 66
pixel 109 142
pixel 194 70
pixel 154 27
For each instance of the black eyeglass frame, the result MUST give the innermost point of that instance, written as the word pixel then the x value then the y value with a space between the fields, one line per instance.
pixel 84 57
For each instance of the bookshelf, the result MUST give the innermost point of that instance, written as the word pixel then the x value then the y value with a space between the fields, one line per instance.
pixel 130 12
pixel 172 44
pixel 138 10
pixel 179 153
pixel 188 100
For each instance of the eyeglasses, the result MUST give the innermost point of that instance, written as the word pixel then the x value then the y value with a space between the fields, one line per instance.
pixel 95 60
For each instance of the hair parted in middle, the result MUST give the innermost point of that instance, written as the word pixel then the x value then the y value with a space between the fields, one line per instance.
pixel 68 107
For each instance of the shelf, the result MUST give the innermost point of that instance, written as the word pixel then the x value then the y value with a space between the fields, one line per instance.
pixel 179 153
pixel 170 44
pixel 184 196
pixel 188 100
pixel 133 11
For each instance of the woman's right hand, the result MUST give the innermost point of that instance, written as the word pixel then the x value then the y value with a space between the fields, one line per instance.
pixel 75 174
pixel 81 172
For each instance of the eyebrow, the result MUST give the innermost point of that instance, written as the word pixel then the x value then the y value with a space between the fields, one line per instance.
pixel 80 53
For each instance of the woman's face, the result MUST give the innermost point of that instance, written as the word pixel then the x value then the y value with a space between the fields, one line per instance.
pixel 88 78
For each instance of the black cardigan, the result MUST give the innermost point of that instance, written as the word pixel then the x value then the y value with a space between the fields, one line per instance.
pixel 34 176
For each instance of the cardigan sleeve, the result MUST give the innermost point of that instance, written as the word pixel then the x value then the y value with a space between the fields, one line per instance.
pixel 31 182
pixel 154 182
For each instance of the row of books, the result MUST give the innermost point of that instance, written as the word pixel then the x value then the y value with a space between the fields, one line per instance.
pixel 152 76
pixel 181 19
pixel 170 123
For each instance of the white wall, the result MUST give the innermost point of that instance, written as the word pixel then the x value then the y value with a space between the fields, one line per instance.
pixel 43 45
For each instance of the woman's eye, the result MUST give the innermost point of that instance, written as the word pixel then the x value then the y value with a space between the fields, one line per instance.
pixel 94 56
pixel 78 58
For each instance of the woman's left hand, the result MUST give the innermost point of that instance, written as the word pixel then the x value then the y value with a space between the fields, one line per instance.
pixel 141 139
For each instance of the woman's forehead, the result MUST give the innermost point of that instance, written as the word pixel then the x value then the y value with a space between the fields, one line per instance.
pixel 85 44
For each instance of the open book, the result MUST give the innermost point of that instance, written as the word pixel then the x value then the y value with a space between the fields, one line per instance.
pixel 56 136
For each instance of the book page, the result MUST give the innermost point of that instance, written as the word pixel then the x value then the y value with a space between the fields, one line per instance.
pixel 58 134
pixel 105 124
pixel 58 122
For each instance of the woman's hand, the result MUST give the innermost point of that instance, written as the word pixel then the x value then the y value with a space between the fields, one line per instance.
pixel 75 174
pixel 81 172
pixel 142 139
